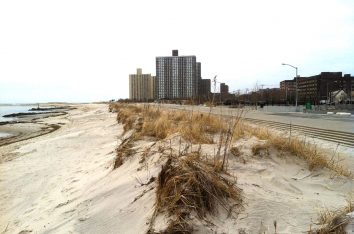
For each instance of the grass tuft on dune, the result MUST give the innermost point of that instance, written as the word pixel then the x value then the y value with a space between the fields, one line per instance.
pixel 334 221
pixel 188 184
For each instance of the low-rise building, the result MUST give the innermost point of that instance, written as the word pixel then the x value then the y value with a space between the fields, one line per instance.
pixel 224 88
pixel 288 88
pixel 317 89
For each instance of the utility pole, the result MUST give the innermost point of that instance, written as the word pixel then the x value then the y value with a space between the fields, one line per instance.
pixel 262 85
pixel 214 81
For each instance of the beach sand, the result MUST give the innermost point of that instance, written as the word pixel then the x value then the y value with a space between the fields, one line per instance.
pixel 41 187
pixel 64 182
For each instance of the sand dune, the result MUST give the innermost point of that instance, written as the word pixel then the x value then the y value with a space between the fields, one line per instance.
pixel 64 182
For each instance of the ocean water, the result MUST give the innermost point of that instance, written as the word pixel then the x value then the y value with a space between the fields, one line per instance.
pixel 5 110
pixel 4 134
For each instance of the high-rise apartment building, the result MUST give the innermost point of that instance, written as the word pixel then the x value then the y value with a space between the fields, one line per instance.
pixel 177 77
pixel 199 70
pixel 141 86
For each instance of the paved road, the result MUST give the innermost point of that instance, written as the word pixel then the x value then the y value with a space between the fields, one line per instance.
pixel 329 122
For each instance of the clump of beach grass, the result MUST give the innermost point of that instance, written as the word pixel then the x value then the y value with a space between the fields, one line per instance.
pixel 159 127
pixel 260 149
pixel 128 115
pixel 334 221
pixel 200 128
pixel 235 151
pixel 123 151
pixel 315 158
pixel 187 184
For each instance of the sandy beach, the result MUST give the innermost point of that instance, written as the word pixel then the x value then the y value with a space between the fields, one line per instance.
pixel 45 178
pixel 64 182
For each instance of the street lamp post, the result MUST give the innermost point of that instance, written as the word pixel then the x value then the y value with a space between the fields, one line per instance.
pixel 285 64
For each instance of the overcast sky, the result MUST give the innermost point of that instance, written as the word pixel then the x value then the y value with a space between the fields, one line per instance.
pixel 71 50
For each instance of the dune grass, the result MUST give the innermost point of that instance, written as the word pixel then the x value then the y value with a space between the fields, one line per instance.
pixel 195 127
pixel 260 149
pixel 188 184
pixel 126 114
pixel 315 158
pixel 334 221
pixel 201 128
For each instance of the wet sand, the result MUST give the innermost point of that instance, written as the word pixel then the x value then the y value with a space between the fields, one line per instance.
pixel 27 126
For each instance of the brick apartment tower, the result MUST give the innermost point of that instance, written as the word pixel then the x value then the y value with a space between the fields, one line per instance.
pixel 141 86
pixel 177 77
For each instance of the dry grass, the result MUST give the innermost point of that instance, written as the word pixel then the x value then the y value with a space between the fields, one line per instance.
pixel 150 121
pixel 334 221
pixel 235 151
pixel 260 149
pixel 188 185
pixel 160 127
pixel 239 131
pixel 301 148
pixel 211 123
pixel 123 151
pixel 127 114
pixel 200 128
pixel 193 127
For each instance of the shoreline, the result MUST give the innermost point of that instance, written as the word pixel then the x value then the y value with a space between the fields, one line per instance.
pixel 18 134
pixel 29 125
pixel 44 182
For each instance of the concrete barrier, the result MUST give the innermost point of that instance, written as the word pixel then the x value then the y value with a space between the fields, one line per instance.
pixel 281 108
pixel 343 113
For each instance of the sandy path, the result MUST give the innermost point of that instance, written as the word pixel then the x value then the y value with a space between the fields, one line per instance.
pixel 42 187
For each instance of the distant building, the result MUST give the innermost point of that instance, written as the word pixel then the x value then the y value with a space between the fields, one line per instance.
pixel 199 77
pixel 224 88
pixel 177 77
pixel 288 87
pixel 141 86
pixel 224 92
pixel 313 89
pixel 203 84
pixel 318 88
pixel 204 88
